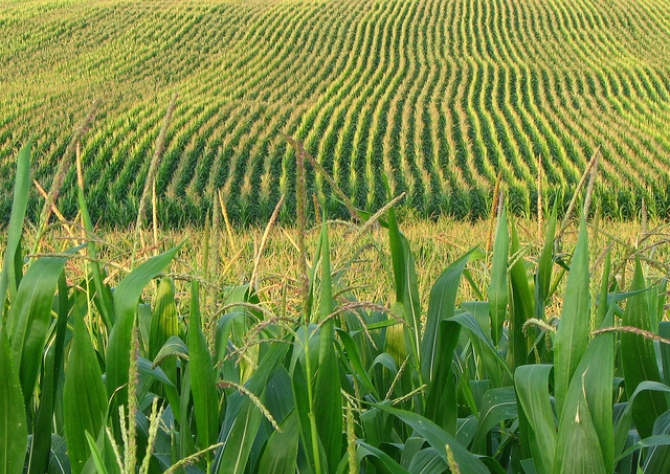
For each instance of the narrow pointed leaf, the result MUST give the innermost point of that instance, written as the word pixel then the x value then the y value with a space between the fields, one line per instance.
pixel 572 336
pixel 203 377
pixel 13 429
pixel 8 277
pixel 498 291
pixel 126 297
pixel 532 389
pixel 638 359
pixel 84 396
pixel 440 307
pixel 29 318
pixel 327 398
pixel 522 307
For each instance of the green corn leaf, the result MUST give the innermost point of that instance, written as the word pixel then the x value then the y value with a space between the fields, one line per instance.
pixel 95 455
pixel 572 336
pixel 440 307
pixel 603 307
pixel 406 286
pixel 281 453
pixel 84 397
pixel 383 462
pixel 243 418
pixel 439 440
pixel 658 457
pixel 13 427
pixel 532 390
pixel 164 325
pixel 441 401
pixel 546 263
pixel 49 387
pixel 29 318
pixel 577 448
pixel 164 319
pixel 203 377
pixel 126 298
pixel 352 355
pixel 638 359
pixel 103 295
pixel 484 346
pixel 590 394
pixel 522 307
pixel 498 405
pixel 498 291
pixel 623 425
pixel 327 399
pixel 427 461
pixel 9 280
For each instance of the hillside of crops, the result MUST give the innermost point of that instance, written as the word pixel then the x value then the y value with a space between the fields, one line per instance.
pixel 438 97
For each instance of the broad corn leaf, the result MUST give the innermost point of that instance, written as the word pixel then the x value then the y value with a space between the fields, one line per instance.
pixel 522 305
pixel 638 359
pixel 572 336
pixel 532 391
pixel 29 318
pixel 440 308
pixel 281 453
pixel 203 377
pixel 126 298
pixel 590 394
pixel 85 400
pixel 13 428
pixel 327 399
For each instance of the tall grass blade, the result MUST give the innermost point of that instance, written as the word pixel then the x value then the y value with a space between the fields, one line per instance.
pixel 498 290
pixel 13 428
pixel 126 297
pixel 638 358
pixel 532 391
pixel 380 460
pixel 327 399
pixel 440 308
pixel 572 336
pixel 29 318
pixel 84 397
pixel 546 262
pixel 406 286
pixel 8 278
pixel 522 307
pixel 50 389
pixel 203 377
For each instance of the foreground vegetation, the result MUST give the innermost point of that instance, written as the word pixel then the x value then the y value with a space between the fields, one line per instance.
pixel 439 96
pixel 144 377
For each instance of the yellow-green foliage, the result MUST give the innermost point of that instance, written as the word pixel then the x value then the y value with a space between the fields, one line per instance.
pixel 438 95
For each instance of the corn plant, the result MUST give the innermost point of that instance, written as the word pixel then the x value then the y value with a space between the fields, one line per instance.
pixel 98 379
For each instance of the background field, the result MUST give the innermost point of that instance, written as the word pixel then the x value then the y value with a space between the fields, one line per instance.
pixel 437 95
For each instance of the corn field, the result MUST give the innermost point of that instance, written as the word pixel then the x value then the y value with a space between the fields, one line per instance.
pixel 139 378
pixel 437 97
